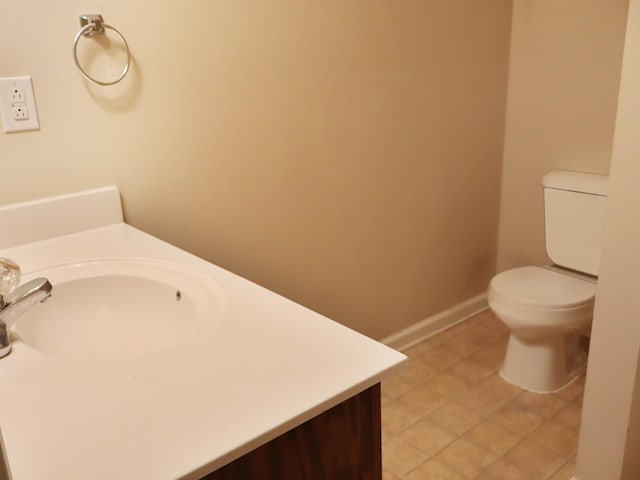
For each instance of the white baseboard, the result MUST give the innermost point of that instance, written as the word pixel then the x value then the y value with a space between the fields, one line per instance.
pixel 436 323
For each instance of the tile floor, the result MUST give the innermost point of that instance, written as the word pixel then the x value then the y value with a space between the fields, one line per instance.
pixel 447 414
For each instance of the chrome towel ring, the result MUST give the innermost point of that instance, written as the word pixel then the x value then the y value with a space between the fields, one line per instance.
pixel 94 25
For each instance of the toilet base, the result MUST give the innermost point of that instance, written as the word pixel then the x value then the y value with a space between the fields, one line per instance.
pixel 544 365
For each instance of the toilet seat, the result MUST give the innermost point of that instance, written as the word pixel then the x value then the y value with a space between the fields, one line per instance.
pixel 542 288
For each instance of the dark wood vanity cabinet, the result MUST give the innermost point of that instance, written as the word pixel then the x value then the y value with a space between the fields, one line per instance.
pixel 342 443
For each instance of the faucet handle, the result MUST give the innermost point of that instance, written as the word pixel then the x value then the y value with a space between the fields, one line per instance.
pixel 9 276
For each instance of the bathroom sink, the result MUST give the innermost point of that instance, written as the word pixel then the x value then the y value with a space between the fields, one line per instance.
pixel 120 309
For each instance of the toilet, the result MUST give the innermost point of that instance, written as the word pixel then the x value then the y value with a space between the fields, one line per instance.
pixel 549 308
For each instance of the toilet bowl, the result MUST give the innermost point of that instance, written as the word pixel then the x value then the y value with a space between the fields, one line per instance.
pixel 546 311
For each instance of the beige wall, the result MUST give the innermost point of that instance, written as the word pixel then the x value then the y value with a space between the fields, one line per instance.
pixel 344 154
pixel 610 435
pixel 563 83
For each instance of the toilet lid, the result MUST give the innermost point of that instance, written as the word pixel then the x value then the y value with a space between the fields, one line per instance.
pixel 543 287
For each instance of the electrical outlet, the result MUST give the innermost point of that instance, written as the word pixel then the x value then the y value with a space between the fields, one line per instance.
pixel 17 96
pixel 20 113
pixel 18 104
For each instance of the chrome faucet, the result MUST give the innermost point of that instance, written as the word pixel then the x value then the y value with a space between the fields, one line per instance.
pixel 15 301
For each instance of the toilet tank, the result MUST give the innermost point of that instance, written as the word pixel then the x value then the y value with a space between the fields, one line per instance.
pixel 574 204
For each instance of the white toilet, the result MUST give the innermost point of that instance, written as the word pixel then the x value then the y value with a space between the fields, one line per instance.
pixel 548 308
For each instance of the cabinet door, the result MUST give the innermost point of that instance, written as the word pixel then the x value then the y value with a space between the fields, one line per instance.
pixel 342 443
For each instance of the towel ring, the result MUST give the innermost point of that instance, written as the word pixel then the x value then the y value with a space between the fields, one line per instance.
pixel 93 25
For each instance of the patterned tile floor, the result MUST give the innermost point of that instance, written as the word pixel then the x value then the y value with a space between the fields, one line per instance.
pixel 447 414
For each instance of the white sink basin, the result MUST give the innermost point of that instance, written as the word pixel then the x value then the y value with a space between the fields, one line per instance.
pixel 119 309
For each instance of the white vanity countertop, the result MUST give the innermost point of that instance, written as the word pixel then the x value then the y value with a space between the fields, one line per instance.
pixel 267 367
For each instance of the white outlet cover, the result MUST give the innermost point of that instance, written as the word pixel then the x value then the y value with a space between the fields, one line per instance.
pixel 7 86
